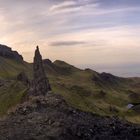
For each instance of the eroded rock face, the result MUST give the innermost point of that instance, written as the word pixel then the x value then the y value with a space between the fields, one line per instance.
pixel 7 52
pixel 40 82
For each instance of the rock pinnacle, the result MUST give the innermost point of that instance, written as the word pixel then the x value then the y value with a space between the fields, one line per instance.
pixel 40 82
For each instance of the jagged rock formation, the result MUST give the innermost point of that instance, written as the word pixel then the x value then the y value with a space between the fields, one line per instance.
pixel 7 52
pixel 40 82
pixel 51 118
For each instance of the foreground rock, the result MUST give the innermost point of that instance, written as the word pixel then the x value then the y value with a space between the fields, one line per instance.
pixel 50 118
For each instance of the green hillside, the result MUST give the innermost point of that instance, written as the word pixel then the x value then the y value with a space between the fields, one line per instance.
pixel 10 68
pixel 87 90
pixel 103 93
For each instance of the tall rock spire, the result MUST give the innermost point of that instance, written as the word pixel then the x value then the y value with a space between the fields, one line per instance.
pixel 40 83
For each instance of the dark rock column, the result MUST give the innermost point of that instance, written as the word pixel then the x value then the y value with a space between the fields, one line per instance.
pixel 40 83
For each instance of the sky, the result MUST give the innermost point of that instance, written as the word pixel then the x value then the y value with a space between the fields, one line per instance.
pixel 103 35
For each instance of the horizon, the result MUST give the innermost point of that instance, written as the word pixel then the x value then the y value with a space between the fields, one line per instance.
pixel 96 34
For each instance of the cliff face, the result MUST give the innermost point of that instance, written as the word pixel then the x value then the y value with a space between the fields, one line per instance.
pixel 7 52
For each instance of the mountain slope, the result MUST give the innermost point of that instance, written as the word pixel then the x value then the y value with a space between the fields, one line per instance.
pixel 11 68
pixel 90 91
pixel 87 90
pixel 11 93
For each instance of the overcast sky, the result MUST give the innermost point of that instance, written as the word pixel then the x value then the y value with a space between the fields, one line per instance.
pixel 101 34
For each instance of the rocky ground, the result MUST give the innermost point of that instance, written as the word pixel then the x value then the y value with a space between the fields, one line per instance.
pixel 50 118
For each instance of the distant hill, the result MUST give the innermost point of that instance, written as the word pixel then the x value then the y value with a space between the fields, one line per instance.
pixel 88 90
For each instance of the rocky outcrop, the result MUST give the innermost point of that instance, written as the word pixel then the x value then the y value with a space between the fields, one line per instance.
pixel 40 85
pixel 51 118
pixel 23 78
pixel 7 52
pixel 1 83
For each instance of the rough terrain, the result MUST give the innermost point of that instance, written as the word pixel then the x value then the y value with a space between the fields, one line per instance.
pixel 50 118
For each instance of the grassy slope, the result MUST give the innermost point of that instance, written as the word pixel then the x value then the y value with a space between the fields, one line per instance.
pixel 87 90
pixel 10 95
pixel 11 90
pixel 9 69
pixel 83 89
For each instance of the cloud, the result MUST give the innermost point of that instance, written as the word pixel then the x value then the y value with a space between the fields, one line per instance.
pixel 64 5
pixel 72 5
pixel 67 43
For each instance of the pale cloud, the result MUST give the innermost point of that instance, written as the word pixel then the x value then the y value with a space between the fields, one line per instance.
pixel 73 6
pixel 64 5
pixel 66 43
